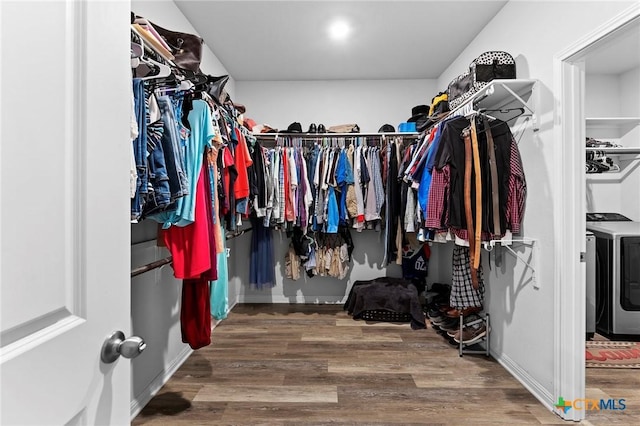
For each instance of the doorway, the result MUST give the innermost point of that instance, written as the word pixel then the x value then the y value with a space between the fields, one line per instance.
pixel 570 83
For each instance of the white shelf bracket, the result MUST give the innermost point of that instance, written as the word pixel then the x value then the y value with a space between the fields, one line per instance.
pixel 534 118
pixel 531 265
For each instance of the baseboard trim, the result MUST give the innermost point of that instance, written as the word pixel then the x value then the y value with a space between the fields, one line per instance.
pixel 139 401
pixel 532 385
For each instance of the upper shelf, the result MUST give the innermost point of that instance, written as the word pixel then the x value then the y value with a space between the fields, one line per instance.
pixel 498 94
pixel 606 122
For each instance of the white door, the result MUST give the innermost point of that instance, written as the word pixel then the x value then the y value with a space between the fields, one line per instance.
pixel 64 224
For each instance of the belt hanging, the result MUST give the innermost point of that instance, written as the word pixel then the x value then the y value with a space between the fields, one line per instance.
pixel 468 158
pixel 493 168
pixel 478 184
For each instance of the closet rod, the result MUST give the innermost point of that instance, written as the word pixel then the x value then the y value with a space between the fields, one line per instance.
pixel 231 236
pixel 151 266
pixel 158 263
pixel 334 135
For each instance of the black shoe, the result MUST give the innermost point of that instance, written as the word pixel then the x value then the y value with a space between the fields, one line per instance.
pixel 321 128
pixel 312 128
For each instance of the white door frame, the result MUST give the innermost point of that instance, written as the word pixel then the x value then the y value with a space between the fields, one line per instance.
pixel 569 212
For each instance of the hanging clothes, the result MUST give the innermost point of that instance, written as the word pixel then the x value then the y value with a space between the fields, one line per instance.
pixel 140 149
pixel 261 262
pixel 195 317
pixel 218 288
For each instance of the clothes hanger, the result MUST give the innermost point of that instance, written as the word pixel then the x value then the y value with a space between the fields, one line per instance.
pixel 136 50
pixel 520 111
pixel 160 70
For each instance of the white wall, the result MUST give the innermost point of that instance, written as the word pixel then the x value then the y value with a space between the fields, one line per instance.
pixel 522 317
pixel 368 103
pixel 155 295
pixel 630 107
pixel 629 89
pixel 602 99
pixel 602 95
pixel 614 95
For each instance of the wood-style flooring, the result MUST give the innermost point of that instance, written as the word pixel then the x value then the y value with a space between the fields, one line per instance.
pixel 313 364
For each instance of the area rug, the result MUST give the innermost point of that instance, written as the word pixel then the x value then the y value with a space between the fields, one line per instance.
pixel 604 354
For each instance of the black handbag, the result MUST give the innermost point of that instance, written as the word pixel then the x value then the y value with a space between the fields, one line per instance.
pixel 493 65
pixel 485 68
pixel 215 87
pixel 186 48
pixel 462 88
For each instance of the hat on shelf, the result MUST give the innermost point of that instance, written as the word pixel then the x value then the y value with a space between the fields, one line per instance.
pixel 430 121
pixel 263 128
pixel 439 104
pixel 249 123
pixel 387 128
pixel 294 127
pixel 418 112
pixel 240 108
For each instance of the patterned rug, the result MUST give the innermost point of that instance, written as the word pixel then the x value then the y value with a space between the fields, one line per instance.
pixel 604 354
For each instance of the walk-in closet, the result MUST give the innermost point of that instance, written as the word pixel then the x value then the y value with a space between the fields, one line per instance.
pixel 287 212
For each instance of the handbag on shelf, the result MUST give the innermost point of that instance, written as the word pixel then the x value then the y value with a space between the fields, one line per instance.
pixel 462 88
pixel 493 65
pixel 488 66
pixel 187 48
pixel 215 87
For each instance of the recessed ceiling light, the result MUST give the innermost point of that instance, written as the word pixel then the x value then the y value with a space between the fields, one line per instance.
pixel 339 30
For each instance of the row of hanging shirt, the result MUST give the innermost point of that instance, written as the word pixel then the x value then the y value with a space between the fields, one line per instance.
pixel 320 188
pixel 323 191
pixel 434 169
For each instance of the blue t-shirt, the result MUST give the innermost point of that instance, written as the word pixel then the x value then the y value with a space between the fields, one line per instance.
pixel 332 212
pixel 202 132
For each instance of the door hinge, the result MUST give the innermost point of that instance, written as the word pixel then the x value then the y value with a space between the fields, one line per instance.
pixel 583 256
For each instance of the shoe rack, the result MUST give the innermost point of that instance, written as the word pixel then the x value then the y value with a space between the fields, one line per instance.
pixel 463 346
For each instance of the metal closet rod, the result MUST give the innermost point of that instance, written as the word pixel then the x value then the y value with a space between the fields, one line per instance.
pixel 333 135
pixel 158 263
pixel 151 266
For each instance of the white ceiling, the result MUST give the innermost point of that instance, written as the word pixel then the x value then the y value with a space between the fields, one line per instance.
pixel 287 40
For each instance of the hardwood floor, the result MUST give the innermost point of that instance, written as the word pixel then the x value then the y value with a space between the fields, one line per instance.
pixel 313 364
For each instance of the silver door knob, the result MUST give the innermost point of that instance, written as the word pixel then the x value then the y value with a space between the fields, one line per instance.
pixel 117 345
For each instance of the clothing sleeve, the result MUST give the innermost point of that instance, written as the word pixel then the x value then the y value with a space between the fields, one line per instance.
pixel 245 148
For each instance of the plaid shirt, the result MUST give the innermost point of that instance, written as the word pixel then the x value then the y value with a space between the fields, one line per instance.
pixel 517 190
pixel 437 216
pixel 463 295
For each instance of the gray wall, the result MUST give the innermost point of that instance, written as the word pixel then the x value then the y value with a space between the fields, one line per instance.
pixel 366 264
